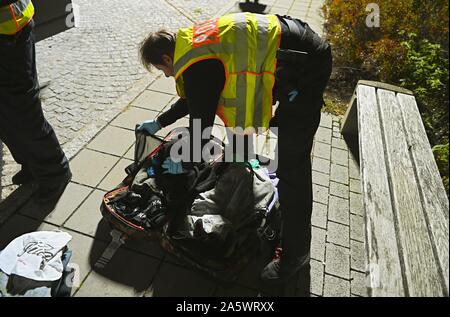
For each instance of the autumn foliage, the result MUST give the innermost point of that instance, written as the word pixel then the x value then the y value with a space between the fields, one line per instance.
pixel 408 49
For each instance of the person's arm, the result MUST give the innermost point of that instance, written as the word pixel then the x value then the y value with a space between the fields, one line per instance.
pixel 4 3
pixel 177 111
pixel 203 84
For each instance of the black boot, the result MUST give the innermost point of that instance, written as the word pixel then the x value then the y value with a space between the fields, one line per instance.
pixel 22 177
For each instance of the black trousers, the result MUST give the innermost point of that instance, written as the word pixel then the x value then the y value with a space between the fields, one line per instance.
pixel 23 127
pixel 297 121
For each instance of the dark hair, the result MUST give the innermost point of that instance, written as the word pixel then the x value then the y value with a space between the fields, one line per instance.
pixel 155 46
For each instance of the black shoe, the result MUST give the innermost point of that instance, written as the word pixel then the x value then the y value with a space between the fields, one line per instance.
pixel 22 177
pixel 52 192
pixel 279 272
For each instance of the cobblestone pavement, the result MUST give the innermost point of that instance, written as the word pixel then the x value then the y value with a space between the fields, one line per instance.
pixel 90 67
pixel 337 250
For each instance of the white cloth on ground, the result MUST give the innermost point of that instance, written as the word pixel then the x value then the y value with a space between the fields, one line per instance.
pixel 35 255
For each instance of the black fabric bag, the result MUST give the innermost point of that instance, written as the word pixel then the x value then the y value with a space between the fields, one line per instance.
pixel 219 258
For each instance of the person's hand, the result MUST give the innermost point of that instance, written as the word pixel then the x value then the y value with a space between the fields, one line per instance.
pixel 172 167
pixel 151 126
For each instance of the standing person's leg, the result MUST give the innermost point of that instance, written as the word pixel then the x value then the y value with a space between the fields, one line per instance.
pixel 297 121
pixel 27 130
pixel 297 127
pixel 7 136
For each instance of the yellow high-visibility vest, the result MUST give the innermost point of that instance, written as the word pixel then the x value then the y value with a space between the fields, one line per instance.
pixel 16 16
pixel 246 44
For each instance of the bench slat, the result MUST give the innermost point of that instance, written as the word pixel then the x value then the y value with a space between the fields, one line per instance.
pixel 433 193
pixel 383 256
pixel 420 268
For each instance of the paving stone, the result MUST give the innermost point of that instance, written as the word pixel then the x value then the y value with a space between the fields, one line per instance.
pixel 115 176
pixel 322 150
pixel 132 116
pixel 358 284
pixel 338 210
pixel 321 165
pixel 18 225
pixel 326 120
pixel 320 178
pixel 172 280
pixel 279 10
pixel 336 134
pixel 298 13
pixel 353 168
pixel 88 216
pixel 356 204
pixel 153 100
pixel 320 194
pixel 355 186
pixel 338 234
pixel 83 249
pixel 336 287
pixel 319 215
pixel 339 144
pixel 163 84
pixel 337 261
pixel 318 244
pixel 358 256
pixel 89 167
pixel 284 4
pixel 130 153
pixel 323 135
pixel 317 274
pixel 338 189
pixel 128 274
pixel 339 156
pixel 339 174
pixel 113 140
pixel 73 196
pixel 357 229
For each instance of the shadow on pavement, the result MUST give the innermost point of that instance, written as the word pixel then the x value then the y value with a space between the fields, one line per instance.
pixel 134 269
pixel 144 266
pixel 16 226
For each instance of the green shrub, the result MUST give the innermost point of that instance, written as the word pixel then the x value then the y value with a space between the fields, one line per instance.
pixel 409 49
pixel 441 154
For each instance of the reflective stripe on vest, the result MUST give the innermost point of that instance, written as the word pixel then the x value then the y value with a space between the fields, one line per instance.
pixel 15 16
pixel 246 44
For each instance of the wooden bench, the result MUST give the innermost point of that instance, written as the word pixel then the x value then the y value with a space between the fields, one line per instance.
pixel 406 206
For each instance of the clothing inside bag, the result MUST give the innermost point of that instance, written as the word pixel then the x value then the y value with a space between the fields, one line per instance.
pixel 212 211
